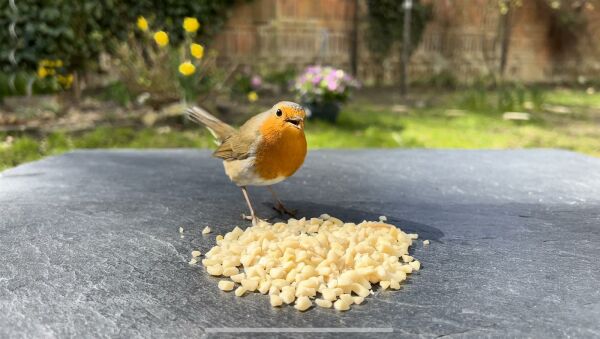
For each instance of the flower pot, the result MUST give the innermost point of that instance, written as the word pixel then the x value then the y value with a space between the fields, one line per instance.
pixel 327 111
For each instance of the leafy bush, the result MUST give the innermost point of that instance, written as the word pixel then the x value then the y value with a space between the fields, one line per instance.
pixel 281 79
pixel 444 79
pixel 77 31
pixel 20 151
pixel 70 30
pixel 246 84
pixel 18 83
pixel 249 83
pixel 116 92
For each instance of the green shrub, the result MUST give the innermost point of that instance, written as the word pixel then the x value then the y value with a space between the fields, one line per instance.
pixel 282 79
pixel 22 150
pixel 504 98
pixel 105 137
pixel 116 92
pixel 77 31
pixel 444 80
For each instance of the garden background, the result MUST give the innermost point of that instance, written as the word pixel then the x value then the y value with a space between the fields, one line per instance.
pixel 472 73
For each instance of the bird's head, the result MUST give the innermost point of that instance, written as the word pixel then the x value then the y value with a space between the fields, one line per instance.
pixel 286 116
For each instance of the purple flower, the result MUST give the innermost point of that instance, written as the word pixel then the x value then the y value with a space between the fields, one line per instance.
pixel 256 81
pixel 332 84
pixel 313 70
pixel 319 83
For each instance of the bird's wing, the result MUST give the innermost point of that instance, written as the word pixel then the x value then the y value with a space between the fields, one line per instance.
pixel 242 144
pixel 217 128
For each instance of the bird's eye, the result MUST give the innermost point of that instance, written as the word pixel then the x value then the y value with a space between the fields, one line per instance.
pixel 279 112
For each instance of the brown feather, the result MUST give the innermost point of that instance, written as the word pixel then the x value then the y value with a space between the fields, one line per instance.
pixel 240 145
pixel 233 144
pixel 220 130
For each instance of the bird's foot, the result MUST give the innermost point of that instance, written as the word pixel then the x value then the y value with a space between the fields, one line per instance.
pixel 255 220
pixel 283 210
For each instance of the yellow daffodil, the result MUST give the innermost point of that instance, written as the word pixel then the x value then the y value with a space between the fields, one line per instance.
pixel 187 68
pixel 68 81
pixel 197 51
pixel 252 96
pixel 50 63
pixel 42 72
pixel 142 23
pixel 161 38
pixel 191 25
pixel 65 80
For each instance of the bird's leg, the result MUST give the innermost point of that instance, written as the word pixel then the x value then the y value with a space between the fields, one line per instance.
pixel 279 205
pixel 252 215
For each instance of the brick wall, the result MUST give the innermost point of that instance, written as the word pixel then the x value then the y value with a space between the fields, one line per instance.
pixel 462 39
pixel 279 33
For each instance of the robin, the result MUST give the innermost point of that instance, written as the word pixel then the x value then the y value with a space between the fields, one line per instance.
pixel 265 150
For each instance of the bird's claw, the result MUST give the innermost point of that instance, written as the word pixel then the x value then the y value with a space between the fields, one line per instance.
pixel 255 219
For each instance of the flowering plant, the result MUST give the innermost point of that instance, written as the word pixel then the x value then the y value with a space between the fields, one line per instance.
pixel 318 85
pixel 161 67
pixel 48 69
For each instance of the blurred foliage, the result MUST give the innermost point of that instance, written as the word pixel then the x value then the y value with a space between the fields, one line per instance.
pixel 574 98
pixel 169 15
pixel 144 67
pixel 504 98
pixel 568 22
pixel 444 79
pixel 77 31
pixel 242 84
pixel 20 81
pixel 70 30
pixel 386 24
pixel 116 92
pixel 107 137
pixel 282 79
pixel 261 80
pixel 480 125
pixel 24 148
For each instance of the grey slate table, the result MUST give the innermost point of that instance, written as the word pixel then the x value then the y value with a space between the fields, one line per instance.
pixel 90 247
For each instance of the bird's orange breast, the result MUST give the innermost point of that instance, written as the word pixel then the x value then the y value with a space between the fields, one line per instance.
pixel 280 152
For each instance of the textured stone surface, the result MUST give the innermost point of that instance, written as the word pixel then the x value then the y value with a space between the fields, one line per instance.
pixel 90 243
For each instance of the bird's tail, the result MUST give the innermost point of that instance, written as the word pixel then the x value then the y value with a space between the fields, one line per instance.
pixel 217 128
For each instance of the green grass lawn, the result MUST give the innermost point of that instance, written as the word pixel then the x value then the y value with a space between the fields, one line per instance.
pixel 479 124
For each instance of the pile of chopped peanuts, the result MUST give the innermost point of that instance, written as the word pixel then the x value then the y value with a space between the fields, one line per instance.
pixel 321 260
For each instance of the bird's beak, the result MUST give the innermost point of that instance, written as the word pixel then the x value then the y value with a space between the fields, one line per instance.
pixel 296 121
